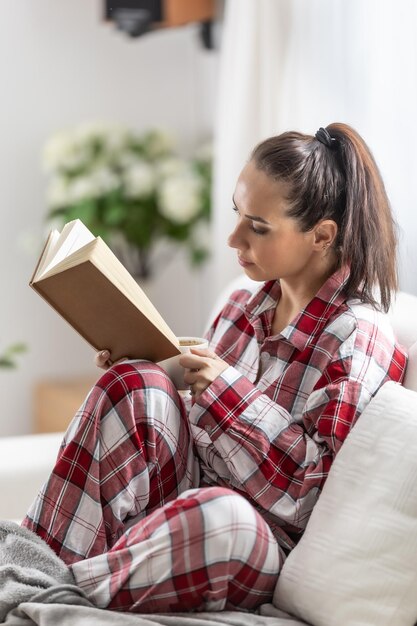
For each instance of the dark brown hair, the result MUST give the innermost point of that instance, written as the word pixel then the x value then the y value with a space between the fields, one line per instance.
pixel 340 182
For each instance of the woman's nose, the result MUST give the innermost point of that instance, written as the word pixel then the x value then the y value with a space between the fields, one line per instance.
pixel 234 240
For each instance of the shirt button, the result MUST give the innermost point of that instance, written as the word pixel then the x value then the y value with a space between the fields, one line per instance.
pixel 265 356
pixel 208 429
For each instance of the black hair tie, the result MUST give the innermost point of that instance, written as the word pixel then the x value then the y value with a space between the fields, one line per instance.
pixel 325 138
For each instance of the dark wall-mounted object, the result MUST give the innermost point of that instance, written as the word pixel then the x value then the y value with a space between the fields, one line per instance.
pixel 137 17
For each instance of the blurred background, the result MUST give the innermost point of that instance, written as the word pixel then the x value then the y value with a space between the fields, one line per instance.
pixel 113 107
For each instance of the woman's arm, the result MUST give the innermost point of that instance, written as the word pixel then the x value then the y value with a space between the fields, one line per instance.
pixel 280 464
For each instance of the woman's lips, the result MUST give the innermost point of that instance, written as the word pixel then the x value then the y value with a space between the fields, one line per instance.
pixel 243 263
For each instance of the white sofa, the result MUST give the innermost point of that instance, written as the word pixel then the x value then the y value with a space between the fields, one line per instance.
pixel 357 561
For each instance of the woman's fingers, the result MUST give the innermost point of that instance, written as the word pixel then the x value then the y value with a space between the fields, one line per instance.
pixel 190 376
pixel 200 370
pixel 197 358
pixel 102 359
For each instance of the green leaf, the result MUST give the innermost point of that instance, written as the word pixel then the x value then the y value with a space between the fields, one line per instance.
pixel 198 256
pixel 85 211
pixel 7 363
pixel 7 358
pixel 100 230
pixel 16 348
pixel 178 232
pixel 114 214
pixel 60 212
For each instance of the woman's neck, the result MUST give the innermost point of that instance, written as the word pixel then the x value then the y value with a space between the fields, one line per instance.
pixel 295 295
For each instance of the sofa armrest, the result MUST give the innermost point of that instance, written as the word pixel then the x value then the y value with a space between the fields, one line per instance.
pixel 25 463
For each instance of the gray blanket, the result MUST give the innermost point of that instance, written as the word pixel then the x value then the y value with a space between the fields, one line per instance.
pixel 37 589
pixel 35 614
pixel 31 572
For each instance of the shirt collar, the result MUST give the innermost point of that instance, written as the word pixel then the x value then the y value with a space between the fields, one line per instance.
pixel 310 321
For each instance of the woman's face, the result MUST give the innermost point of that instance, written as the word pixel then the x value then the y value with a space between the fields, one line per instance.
pixel 269 244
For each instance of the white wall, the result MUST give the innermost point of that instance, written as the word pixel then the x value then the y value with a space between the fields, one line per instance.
pixel 60 64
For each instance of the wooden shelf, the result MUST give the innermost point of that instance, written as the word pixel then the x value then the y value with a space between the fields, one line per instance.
pixel 55 402
pixel 170 14
pixel 180 12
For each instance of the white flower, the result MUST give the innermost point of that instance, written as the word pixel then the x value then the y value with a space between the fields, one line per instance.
pixel 159 143
pixel 105 180
pixel 97 162
pixel 64 152
pixel 97 183
pixel 180 197
pixel 127 159
pixel 112 137
pixel 138 179
pixel 83 188
pixel 171 166
pixel 77 149
pixel 57 194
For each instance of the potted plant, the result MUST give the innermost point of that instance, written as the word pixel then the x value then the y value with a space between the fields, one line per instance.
pixel 8 357
pixel 132 189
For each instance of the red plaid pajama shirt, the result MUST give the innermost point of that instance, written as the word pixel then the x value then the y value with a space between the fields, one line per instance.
pixel 157 510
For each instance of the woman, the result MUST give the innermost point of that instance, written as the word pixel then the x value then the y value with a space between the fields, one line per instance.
pixel 160 508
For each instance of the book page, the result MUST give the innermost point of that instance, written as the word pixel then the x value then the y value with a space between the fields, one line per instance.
pixel 73 237
pixel 47 253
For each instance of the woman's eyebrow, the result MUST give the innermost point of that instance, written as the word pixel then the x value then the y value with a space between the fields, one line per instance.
pixel 254 218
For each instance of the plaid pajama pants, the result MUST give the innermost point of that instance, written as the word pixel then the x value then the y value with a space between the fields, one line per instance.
pixel 124 507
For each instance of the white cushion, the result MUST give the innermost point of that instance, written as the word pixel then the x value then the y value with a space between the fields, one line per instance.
pixel 356 563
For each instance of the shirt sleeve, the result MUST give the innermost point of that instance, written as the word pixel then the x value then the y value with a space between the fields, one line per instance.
pixel 281 464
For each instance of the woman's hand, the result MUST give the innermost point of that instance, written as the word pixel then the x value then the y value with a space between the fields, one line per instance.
pixel 202 368
pixel 103 360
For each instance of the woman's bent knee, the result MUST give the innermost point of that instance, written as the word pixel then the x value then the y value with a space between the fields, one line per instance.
pixel 134 390
pixel 234 529
pixel 140 374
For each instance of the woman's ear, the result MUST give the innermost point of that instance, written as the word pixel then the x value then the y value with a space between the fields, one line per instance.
pixel 325 233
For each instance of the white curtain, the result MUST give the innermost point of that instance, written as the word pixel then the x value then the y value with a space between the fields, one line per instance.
pixel 302 64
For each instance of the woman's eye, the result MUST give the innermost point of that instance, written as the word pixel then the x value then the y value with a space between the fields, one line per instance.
pixel 252 227
pixel 258 231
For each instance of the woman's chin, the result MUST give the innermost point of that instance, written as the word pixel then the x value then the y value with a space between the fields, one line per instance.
pixel 253 272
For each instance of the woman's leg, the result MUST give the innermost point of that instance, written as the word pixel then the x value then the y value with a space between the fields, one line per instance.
pixel 208 549
pixel 127 452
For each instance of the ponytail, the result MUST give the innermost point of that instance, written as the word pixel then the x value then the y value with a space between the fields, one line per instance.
pixel 368 241
pixel 339 180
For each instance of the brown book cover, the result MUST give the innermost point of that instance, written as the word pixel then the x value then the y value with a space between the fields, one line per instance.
pixel 93 291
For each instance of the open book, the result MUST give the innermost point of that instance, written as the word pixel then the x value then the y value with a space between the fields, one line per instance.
pixel 81 278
